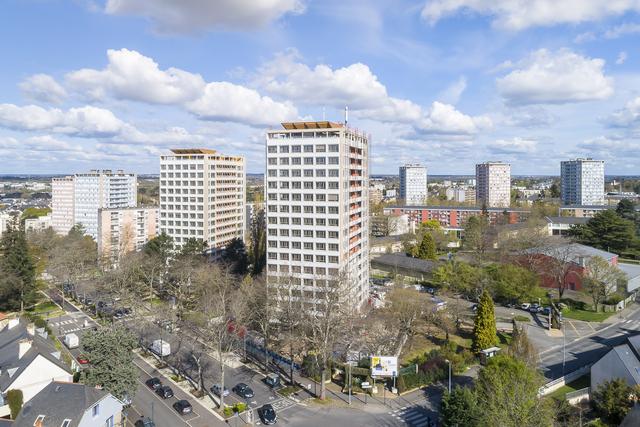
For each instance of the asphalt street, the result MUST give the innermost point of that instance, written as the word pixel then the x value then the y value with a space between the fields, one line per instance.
pixel 583 350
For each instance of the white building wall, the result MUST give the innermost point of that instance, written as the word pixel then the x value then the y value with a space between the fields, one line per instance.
pixel 582 182
pixel 109 410
pixel 62 204
pixel 317 204
pixel 493 184
pixel 36 377
pixel 413 184
pixel 40 223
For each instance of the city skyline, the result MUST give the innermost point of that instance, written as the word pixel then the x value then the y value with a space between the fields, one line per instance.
pixel 114 84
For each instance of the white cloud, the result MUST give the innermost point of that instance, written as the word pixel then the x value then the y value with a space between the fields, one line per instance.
pixel 223 101
pixel 588 36
pixel 452 94
pixel 522 14
pixel 515 145
pixel 622 30
pixel 556 78
pixel 622 57
pixel 133 76
pixel 446 120
pixel 187 16
pixel 44 88
pixel 629 116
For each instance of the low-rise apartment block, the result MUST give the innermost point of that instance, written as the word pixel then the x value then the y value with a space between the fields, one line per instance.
pixel 456 216
pixel 123 230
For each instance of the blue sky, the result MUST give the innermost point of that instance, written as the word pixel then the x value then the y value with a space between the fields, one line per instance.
pixel 91 84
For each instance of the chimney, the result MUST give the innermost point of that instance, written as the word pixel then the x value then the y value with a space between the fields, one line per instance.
pixel 31 329
pixel 24 346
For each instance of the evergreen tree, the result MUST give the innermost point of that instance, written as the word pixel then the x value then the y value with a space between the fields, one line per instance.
pixel 607 231
pixel 110 352
pixel 521 348
pixel 193 247
pixel 17 271
pixel 460 408
pixel 612 400
pixel 258 243
pixel 484 327
pixel 161 246
pixel 627 210
pixel 427 248
pixel 235 256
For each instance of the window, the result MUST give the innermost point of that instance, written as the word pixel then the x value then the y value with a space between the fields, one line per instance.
pixel 296 172
pixel 333 148
pixel 272 149
pixel 109 422
pixel 321 148
pixel 284 148
pixel 296 149
pixel 308 148
pixel 333 160
pixel 308 172
pixel 334 173
pixel 333 186
pixel 308 160
pixel 95 411
pixel 296 161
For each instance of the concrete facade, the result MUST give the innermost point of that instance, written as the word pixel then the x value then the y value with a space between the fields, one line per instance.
pixel 123 230
pixel 493 184
pixel 582 182
pixel 413 184
pixel 62 204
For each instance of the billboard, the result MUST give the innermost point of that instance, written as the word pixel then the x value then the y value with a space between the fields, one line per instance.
pixel 384 366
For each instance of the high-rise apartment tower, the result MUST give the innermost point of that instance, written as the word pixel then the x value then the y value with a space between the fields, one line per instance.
pixel 493 184
pixel 582 182
pixel 413 184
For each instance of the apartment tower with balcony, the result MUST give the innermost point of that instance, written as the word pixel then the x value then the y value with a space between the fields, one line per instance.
pixel 202 196
pixel 413 184
pixel 493 184
pixel 62 197
pixel 317 207
pixel 582 182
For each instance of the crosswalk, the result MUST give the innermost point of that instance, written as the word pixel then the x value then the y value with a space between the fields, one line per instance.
pixel 413 416
pixel 69 326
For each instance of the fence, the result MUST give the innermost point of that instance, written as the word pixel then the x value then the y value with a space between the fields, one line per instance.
pixel 258 351
pixel 552 386
pixel 578 396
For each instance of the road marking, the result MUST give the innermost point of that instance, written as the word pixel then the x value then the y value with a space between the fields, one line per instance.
pixel 574 328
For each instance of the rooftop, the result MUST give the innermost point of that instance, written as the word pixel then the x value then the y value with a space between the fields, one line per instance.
pixel 404 261
pixel 59 401
pixel 457 208
pixel 573 220
pixel 311 125
pixel 192 151
pixel 573 252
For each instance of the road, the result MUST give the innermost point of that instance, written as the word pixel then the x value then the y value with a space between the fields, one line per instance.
pixel 588 349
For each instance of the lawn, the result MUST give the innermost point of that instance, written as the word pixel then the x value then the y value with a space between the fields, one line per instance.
pixel 586 315
pixel 578 384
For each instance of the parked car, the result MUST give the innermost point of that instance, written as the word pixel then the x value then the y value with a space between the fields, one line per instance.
pixel 153 383
pixel 82 359
pixel 126 400
pixel 243 390
pixel 267 414
pixel 215 389
pixel 164 392
pixel 474 307
pixel 145 422
pixel 535 308
pixel 182 407
pixel 525 306
pixel 272 380
pixel 546 311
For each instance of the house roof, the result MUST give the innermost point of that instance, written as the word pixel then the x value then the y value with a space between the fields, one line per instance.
pixel 633 417
pixel 403 261
pixel 632 271
pixel 571 220
pixel 11 365
pixel 629 360
pixel 59 401
pixel 573 252
pixel 5 423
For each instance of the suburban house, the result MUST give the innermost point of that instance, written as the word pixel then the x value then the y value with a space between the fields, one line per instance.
pixel 560 225
pixel 574 258
pixel 28 361
pixel 622 361
pixel 64 404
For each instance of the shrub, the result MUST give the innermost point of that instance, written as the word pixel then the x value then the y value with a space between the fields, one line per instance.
pixel 520 318
pixel 15 401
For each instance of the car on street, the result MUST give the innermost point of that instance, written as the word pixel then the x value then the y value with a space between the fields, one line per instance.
pixel 182 407
pixel 144 422
pixel 82 359
pixel 272 380
pixel 243 390
pixel 126 400
pixel 267 414
pixel 164 392
pixel 525 306
pixel 215 389
pixel 535 308
pixel 153 383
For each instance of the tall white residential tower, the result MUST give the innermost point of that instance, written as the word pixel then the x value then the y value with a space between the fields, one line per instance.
pixel 76 199
pixel 493 184
pixel 582 182
pixel 202 196
pixel 317 181
pixel 413 184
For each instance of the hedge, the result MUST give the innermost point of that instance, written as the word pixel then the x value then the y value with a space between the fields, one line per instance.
pixel 15 401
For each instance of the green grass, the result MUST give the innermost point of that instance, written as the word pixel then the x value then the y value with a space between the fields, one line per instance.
pixel 578 384
pixel 289 390
pixel 505 339
pixel 520 318
pixel 45 307
pixel 587 316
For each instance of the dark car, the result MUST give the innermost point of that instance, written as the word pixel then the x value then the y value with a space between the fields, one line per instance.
pixel 164 392
pixel 243 390
pixel 153 383
pixel 546 311
pixel 145 422
pixel 267 414
pixel 183 407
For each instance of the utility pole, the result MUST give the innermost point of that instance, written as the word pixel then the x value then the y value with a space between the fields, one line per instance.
pixel 564 347
pixel 349 383
pixel 449 363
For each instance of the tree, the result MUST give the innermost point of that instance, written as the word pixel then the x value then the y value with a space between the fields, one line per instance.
pixel 160 246
pixel 510 282
pixel 427 248
pixel 601 279
pixel 258 242
pixel 458 277
pixel 554 190
pixel 111 354
pixel 192 247
pixel 17 270
pixel 613 399
pixel 73 257
pixel 626 209
pixel 484 325
pixel 508 394
pixel 406 307
pixel 521 348
pixel 460 408
pixel 236 258
pixel 476 235
pixel 15 401
pixel 607 231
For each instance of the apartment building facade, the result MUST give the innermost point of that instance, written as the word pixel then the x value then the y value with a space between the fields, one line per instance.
pixel 202 196
pixel 493 184
pixel 317 181
pixel 457 216
pixel 62 204
pixel 123 230
pixel 582 182
pixel 413 184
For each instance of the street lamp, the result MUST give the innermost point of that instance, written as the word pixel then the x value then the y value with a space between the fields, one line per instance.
pixel 449 363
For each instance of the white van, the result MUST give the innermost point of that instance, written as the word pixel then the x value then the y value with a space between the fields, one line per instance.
pixel 71 341
pixel 161 348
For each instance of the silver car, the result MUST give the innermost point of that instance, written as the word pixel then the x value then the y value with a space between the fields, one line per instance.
pixel 215 389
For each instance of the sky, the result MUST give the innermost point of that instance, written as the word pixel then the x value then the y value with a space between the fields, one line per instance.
pixel 112 84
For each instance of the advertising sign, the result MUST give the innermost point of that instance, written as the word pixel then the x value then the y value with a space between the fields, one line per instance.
pixel 384 366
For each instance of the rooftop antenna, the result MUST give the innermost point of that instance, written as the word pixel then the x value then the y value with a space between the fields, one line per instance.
pixel 346 115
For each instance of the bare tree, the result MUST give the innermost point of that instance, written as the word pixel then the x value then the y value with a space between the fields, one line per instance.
pixel 262 312
pixel 601 279
pixel 408 307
